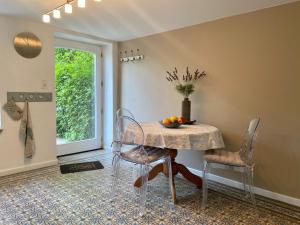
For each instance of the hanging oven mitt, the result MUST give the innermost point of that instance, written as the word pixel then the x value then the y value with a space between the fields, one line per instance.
pixel 26 132
pixel 14 111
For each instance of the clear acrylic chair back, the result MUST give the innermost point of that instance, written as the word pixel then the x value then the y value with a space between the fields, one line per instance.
pixel 123 112
pixel 246 151
pixel 131 135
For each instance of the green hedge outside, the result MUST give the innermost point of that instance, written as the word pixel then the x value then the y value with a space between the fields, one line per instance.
pixel 74 74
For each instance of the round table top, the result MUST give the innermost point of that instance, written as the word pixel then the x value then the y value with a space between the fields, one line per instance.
pixel 194 137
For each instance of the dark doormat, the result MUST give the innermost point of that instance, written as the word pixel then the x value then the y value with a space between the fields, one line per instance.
pixel 80 167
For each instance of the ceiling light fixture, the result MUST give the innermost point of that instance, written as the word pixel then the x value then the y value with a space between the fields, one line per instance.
pixel 81 3
pixel 56 14
pixel 68 9
pixel 46 18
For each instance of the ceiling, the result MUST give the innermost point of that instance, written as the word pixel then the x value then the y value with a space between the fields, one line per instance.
pixel 128 19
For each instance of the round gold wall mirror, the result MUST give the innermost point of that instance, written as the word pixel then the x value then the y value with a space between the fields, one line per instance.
pixel 27 45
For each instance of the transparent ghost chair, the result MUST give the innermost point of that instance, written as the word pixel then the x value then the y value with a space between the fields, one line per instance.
pixel 242 159
pixel 132 154
pixel 120 112
pixel 123 112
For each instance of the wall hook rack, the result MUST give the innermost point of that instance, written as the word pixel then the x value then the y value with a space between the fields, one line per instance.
pixel 134 56
pixel 30 96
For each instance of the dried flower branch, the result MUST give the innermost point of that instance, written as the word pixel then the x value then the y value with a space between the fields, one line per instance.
pixel 186 85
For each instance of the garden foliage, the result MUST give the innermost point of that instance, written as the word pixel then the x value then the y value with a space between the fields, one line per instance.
pixel 74 94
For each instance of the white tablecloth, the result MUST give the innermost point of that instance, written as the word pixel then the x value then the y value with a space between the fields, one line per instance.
pixel 195 137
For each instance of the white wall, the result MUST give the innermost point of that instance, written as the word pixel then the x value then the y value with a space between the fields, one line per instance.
pixel 20 74
pixel 110 96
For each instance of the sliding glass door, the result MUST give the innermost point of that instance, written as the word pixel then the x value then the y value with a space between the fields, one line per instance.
pixel 78 97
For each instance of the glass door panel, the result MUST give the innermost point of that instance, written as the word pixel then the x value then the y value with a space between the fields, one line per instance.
pixel 78 105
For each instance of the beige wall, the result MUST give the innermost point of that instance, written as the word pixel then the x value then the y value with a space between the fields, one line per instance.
pixel 253 68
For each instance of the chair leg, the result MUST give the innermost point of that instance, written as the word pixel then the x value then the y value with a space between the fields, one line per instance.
pixel 115 177
pixel 250 182
pixel 205 185
pixel 142 191
pixel 171 179
pixel 244 178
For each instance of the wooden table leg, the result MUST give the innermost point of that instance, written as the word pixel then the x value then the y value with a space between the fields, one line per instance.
pixel 176 168
pixel 179 168
pixel 189 176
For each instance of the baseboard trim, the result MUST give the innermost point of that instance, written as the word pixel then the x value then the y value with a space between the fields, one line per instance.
pixel 28 167
pixel 257 190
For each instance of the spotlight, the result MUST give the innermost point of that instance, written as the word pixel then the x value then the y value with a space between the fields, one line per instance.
pixel 46 18
pixel 81 3
pixel 68 8
pixel 56 13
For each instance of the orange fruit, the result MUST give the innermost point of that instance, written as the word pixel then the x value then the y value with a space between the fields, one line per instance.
pixel 182 120
pixel 173 119
pixel 166 121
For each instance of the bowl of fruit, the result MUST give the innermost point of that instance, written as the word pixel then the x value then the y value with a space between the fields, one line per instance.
pixel 173 122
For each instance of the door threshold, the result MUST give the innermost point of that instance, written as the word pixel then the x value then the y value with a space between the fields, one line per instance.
pixel 76 153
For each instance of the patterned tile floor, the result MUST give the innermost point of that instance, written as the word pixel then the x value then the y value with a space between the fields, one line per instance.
pixel 47 197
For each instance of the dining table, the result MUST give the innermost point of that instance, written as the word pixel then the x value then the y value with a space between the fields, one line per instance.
pixel 198 137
